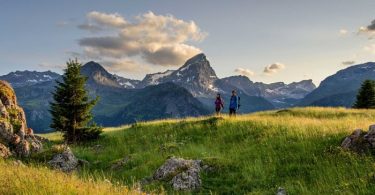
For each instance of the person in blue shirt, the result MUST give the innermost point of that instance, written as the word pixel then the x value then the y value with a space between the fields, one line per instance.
pixel 234 103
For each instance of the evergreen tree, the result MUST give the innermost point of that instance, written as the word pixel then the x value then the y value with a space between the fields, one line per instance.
pixel 366 95
pixel 71 108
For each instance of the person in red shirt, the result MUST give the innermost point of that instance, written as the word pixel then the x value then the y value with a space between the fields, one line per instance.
pixel 219 104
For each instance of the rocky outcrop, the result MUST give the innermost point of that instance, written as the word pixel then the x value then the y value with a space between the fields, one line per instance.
pixel 4 151
pixel 14 134
pixel 182 174
pixel 65 161
pixel 360 141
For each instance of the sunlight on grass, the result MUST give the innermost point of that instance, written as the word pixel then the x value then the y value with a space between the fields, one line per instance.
pixel 16 179
pixel 256 153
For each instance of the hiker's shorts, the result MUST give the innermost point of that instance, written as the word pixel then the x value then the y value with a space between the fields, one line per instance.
pixel 232 111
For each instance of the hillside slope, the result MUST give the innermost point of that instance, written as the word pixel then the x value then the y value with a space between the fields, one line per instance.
pixel 341 88
pixel 297 149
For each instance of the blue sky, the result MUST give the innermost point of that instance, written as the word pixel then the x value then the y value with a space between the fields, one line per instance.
pixel 268 40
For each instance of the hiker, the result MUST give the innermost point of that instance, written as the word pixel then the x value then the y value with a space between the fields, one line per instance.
pixel 234 103
pixel 219 104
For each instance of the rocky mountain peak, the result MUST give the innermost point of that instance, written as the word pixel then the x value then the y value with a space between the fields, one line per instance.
pixel 97 74
pixel 91 68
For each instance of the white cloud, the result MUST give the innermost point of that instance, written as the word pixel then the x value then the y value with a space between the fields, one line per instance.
pixel 273 68
pixel 110 20
pixel 343 32
pixel 244 72
pixel 156 39
pixel 125 65
pixel 369 30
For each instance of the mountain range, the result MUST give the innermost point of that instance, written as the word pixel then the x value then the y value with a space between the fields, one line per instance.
pixel 188 91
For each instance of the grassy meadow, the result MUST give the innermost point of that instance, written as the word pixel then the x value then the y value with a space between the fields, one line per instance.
pixel 297 149
pixel 21 179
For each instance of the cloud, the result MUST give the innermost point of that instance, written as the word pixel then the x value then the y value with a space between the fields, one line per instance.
pixel 273 68
pixel 110 20
pixel 90 27
pixel 244 72
pixel 156 39
pixel 343 32
pixel 125 65
pixel 348 63
pixel 368 30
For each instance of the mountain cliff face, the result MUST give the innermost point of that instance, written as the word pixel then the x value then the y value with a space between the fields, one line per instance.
pixel 97 75
pixel 196 75
pixel 341 88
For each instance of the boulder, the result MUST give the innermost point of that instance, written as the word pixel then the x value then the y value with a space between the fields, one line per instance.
pixel 65 161
pixel 182 174
pixel 360 141
pixel 281 191
pixel 14 133
pixel 4 151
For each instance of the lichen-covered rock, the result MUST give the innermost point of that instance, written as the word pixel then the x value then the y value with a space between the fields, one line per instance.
pixel 360 141
pixel 4 151
pixel 22 149
pixel 183 174
pixel 14 133
pixel 66 161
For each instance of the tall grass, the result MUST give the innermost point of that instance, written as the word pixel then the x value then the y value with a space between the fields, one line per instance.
pixel 297 149
pixel 17 179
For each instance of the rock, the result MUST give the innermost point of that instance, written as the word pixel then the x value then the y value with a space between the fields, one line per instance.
pixel 35 144
pixel 183 174
pixel 4 151
pixel 360 141
pixel 14 133
pixel 23 149
pixel 66 161
pixel 6 132
pixel 351 139
pixel 188 180
pixel 281 191
pixel 41 139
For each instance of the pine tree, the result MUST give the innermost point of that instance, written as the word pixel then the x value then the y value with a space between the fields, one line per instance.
pixel 71 108
pixel 366 95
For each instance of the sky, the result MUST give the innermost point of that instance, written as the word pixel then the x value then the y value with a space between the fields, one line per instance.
pixel 266 40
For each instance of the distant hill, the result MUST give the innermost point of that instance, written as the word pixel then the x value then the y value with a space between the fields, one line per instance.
pixel 341 88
